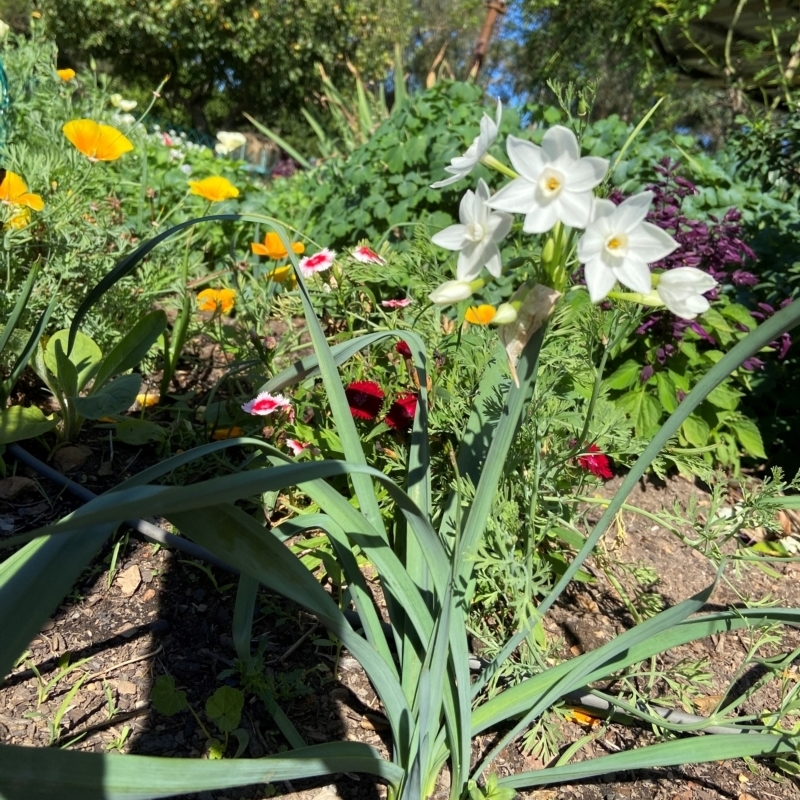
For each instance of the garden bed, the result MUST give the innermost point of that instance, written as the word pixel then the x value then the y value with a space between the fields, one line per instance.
pixel 164 614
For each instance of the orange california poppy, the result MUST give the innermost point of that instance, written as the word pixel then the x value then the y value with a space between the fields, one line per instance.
pixel 273 247
pixel 480 315
pixel 214 189
pixel 66 74
pixel 14 192
pixel 148 399
pixel 227 433
pixel 97 142
pixel 216 300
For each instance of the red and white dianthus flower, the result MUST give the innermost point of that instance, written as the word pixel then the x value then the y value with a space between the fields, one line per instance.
pixel 266 404
pixel 319 262
pixel 402 303
pixel 366 255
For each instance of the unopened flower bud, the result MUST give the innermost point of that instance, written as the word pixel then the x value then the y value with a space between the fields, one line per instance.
pixel 451 292
pixel 549 250
pixel 505 315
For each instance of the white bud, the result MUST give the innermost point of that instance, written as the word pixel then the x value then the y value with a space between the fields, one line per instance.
pixel 451 292
pixel 682 291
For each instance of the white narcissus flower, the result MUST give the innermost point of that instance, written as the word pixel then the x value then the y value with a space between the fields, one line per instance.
pixel 555 184
pixel 618 245
pixel 682 291
pixel 451 292
pixel 477 236
pixel 461 166
pixel 229 141
pixel 127 106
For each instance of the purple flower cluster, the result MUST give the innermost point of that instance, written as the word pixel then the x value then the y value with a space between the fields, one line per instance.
pixel 715 246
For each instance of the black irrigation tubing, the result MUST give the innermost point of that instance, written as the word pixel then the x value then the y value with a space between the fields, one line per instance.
pixel 160 536
pixel 146 529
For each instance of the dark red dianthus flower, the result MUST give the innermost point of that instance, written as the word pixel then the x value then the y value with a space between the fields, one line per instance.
pixel 401 412
pixel 402 348
pixel 365 399
pixel 596 462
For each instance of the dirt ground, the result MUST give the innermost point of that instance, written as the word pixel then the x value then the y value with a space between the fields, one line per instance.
pixel 161 614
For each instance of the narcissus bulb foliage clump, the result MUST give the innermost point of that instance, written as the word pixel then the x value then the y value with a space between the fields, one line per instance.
pixel 557 192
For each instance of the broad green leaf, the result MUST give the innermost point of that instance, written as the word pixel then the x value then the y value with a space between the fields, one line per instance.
pixel 39 773
pixel 749 437
pixel 133 347
pixel 643 409
pixel 66 373
pixel 224 708
pixel 667 392
pixel 624 375
pixel 696 431
pixel 693 750
pixel 139 431
pixel 113 398
pixel 167 698
pixel 725 396
pixel 18 423
pixel 34 580
pixel 738 314
pixel 85 355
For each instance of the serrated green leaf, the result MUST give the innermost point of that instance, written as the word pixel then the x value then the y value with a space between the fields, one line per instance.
pixel 749 437
pixel 624 375
pixel 696 431
pixel 667 392
pixel 724 396
pixel 643 409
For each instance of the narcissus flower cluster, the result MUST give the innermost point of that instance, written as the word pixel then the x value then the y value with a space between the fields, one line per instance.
pixel 553 189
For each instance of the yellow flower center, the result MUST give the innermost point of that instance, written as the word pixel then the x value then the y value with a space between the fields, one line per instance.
pixel 551 182
pixel 617 245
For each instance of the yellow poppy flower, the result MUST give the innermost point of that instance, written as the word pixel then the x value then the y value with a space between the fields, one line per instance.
pixel 20 220
pixel 273 247
pixel 480 315
pixel 227 433
pixel 214 189
pixel 65 74
pixel 97 142
pixel 14 192
pixel 216 300
pixel 283 275
pixel 148 399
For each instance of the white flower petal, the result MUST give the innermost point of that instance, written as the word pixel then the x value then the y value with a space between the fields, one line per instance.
pixel 525 157
pixel 694 279
pixel 602 208
pixel 494 263
pixel 500 225
pixel 498 117
pixel 450 292
pixel 451 238
pixel 487 135
pixel 483 190
pixel 466 209
pixel 599 279
pixel 470 261
pixel 574 208
pixel 447 181
pixel 559 141
pixel 518 197
pixel 590 244
pixel 632 211
pixel 634 273
pixel 651 242
pixel 587 173
pixel 541 219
